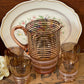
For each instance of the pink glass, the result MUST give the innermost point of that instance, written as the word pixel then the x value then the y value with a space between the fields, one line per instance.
pixel 69 65
pixel 43 43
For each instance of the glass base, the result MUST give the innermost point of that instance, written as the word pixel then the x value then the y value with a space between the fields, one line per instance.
pixel 21 80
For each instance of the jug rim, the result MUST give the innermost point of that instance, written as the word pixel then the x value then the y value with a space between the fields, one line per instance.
pixel 43 25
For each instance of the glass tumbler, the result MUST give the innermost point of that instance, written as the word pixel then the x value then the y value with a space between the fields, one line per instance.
pixel 69 65
pixel 19 64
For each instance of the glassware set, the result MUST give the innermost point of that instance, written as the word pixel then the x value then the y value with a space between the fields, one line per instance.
pixel 44 48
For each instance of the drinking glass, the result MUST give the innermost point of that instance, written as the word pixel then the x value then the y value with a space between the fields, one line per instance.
pixel 19 64
pixel 69 65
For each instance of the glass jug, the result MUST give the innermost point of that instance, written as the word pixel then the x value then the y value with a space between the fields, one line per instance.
pixel 43 43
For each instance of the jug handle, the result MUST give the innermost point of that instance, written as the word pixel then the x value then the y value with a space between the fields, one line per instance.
pixel 14 38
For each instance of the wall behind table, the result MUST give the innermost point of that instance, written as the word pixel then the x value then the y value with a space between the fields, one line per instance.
pixel 77 5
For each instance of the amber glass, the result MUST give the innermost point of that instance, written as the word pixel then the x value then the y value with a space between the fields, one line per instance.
pixel 69 65
pixel 44 44
pixel 19 64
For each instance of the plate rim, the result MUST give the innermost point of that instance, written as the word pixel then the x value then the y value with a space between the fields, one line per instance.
pixel 20 4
